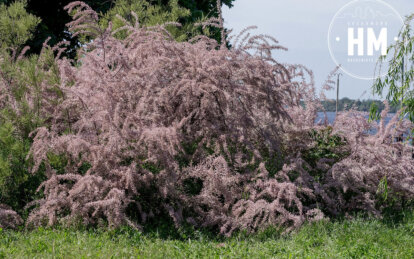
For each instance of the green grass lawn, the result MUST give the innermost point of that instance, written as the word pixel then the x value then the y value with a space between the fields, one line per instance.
pixel 357 238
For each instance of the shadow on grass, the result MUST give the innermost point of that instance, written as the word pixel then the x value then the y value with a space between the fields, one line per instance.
pixel 164 229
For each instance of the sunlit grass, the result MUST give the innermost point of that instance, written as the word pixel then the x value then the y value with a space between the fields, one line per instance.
pixel 356 238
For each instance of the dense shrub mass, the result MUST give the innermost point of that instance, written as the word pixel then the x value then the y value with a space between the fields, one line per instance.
pixel 148 127
pixel 8 217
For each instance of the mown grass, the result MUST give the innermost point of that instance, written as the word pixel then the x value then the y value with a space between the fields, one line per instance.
pixel 358 238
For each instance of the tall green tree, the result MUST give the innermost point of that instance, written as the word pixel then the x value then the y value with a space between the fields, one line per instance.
pixel 149 14
pixel 19 78
pixel 16 25
pixel 54 17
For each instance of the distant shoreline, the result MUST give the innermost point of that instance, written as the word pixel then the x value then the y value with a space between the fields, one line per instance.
pixel 364 105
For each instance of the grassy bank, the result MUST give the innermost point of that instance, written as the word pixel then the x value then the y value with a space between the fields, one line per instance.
pixel 343 239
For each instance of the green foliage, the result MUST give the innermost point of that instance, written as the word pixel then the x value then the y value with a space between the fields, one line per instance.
pixel 192 186
pixel 54 18
pixel 152 13
pixel 17 185
pixel 24 78
pixel 148 15
pixel 201 10
pixel 58 162
pixel 374 113
pixel 273 160
pixel 16 25
pixel 186 157
pixel 383 188
pixel 400 75
pixel 389 199
pixel 23 111
pixel 326 146
pixel 153 168
pixel 203 7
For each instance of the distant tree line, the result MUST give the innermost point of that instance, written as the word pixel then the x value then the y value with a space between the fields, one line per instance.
pixel 360 105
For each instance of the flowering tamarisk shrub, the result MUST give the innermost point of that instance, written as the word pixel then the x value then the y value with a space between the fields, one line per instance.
pixel 206 135
pixel 362 171
pixel 8 217
pixel 132 103
pixel 377 165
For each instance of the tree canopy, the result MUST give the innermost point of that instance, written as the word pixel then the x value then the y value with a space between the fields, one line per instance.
pixel 16 25
pixel 400 75
pixel 54 18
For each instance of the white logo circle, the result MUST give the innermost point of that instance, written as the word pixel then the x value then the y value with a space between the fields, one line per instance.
pixel 360 33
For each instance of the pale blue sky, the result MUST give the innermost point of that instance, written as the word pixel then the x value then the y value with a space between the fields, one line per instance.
pixel 302 26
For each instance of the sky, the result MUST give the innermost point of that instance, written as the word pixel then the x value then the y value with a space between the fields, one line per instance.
pixel 302 26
